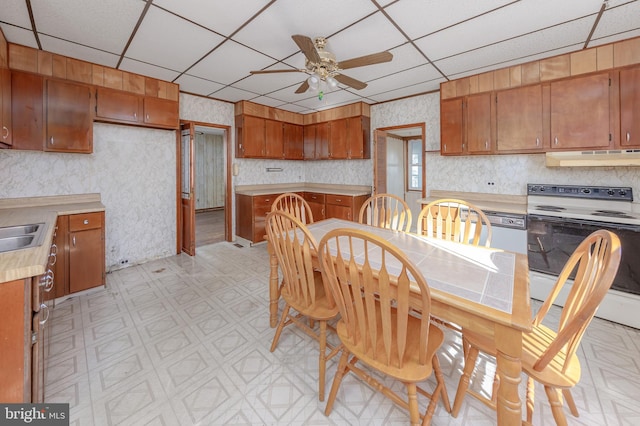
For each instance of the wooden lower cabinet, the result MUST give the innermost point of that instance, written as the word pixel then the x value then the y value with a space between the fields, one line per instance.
pixel 345 207
pixel 251 213
pixel 316 202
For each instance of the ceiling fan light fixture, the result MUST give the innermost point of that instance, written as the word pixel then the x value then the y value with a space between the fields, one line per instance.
pixel 314 81
pixel 332 82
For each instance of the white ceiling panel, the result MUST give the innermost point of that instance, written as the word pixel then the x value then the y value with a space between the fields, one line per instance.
pixel 148 69
pixel 171 42
pixel 616 20
pixel 329 100
pixel 616 37
pixel 271 31
pixel 230 62
pixel 408 78
pixel 19 35
pixel 404 57
pixel 267 83
pixel 419 17
pixel 104 25
pixel 15 12
pixel 232 94
pixel 73 50
pixel 222 16
pixel 408 91
pixel 197 85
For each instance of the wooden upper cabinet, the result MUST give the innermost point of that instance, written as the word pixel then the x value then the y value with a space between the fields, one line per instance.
pixel 519 120
pixel 293 141
pixel 5 107
pixel 309 141
pixel 27 111
pixel 316 141
pixel 630 108
pixel 250 136
pixel 273 139
pixel 162 113
pixel 117 105
pixel 358 135
pixel 69 122
pixel 580 110
pixel 479 126
pixel 338 146
pixel 451 122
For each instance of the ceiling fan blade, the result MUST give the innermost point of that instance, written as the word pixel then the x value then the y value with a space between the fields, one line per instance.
pixel 374 58
pixel 272 71
pixel 303 87
pixel 308 48
pixel 349 81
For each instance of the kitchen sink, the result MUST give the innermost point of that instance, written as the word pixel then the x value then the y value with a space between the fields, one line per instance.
pixel 21 236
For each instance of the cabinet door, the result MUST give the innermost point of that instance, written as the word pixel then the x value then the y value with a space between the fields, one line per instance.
pixel 358 137
pixel 580 112
pixel 86 254
pixel 69 124
pixel 338 212
pixel 161 113
pixel 520 120
pixel 293 141
pixel 118 105
pixel 273 139
pixel 27 111
pixel 451 127
pixel 253 136
pixel 322 141
pixel 5 106
pixel 316 202
pixel 338 145
pixel 261 207
pixel 479 123
pixel 309 141
pixel 59 268
pixel 630 107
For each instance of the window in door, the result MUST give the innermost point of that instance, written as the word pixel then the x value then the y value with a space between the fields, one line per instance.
pixel 414 163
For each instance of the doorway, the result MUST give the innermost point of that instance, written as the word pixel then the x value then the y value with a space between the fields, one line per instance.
pixel 204 185
pixel 399 163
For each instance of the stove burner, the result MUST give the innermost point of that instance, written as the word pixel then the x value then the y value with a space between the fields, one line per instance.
pixel 550 208
pixel 612 213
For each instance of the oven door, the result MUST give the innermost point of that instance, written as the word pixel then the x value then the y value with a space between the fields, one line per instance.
pixel 551 241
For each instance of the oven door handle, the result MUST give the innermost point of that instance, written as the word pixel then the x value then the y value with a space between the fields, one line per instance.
pixel 584 222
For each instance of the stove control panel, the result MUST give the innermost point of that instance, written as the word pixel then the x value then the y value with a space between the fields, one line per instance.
pixel 589 192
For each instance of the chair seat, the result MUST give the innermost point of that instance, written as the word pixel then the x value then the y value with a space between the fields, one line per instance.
pixel 412 371
pixel 321 309
pixel 533 345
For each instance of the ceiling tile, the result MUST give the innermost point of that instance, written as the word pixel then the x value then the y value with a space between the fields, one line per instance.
pixel 197 85
pixel 18 35
pixel 271 31
pixel 409 77
pixel 148 70
pixel 15 12
pixel 616 20
pixel 267 83
pixel 65 48
pixel 155 44
pixel 232 94
pixel 329 100
pixel 230 62
pixel 404 57
pixel 221 16
pixel 418 17
pixel 408 91
pixel 102 25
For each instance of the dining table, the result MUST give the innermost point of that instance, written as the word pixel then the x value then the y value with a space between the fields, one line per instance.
pixel 481 289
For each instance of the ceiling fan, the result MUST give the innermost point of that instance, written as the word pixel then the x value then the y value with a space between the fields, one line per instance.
pixel 321 65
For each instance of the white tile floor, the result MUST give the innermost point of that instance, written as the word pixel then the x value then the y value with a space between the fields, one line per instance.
pixel 185 341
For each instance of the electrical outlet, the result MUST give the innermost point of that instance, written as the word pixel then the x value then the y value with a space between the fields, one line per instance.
pixel 491 183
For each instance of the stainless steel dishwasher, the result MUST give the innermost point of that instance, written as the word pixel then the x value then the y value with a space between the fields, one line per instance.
pixel 508 231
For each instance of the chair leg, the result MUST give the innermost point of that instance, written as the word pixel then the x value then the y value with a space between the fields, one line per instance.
pixel 342 369
pixel 440 384
pixel 414 413
pixel 556 405
pixel 570 402
pixel 322 362
pixel 530 399
pixel 463 384
pixel 283 319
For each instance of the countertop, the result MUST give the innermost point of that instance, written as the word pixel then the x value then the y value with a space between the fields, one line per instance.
pixel 20 264
pixel 515 204
pixel 352 190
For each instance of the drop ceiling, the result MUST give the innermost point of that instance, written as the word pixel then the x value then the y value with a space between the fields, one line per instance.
pixel 209 47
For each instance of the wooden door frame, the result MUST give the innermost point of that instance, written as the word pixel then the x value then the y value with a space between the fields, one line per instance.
pixel 228 206
pixel 390 129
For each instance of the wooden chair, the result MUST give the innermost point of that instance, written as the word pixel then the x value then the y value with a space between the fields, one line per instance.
pixel 455 220
pixel 549 356
pixel 377 326
pixel 295 205
pixel 386 211
pixel 304 289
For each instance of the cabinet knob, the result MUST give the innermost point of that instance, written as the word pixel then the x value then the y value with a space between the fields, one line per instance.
pixel 44 308
pixel 5 132
pixel 555 140
pixel 537 141
pixel 135 115
pixel 51 141
pixel 74 240
pixel 85 222
pixel 147 116
pixel 628 136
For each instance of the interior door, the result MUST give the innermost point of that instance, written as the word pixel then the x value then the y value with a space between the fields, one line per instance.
pixel 380 162
pixel 187 189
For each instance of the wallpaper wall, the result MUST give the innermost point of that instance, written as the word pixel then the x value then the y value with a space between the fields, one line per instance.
pixel 509 174
pixel 132 168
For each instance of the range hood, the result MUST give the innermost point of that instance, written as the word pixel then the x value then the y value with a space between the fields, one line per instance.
pixel 610 158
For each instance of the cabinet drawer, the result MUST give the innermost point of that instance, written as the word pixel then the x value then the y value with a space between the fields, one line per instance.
pixel 82 221
pixel 314 197
pixel 340 200
pixel 262 203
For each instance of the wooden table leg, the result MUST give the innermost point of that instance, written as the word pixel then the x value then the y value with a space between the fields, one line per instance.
pixel 273 286
pixel 509 360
